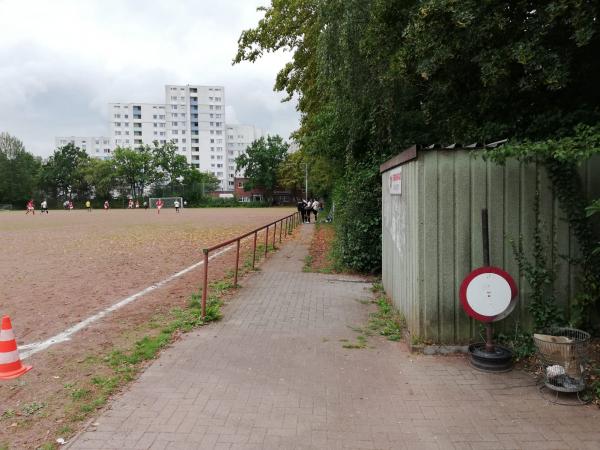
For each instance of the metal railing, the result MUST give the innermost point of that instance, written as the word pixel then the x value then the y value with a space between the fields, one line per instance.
pixel 291 222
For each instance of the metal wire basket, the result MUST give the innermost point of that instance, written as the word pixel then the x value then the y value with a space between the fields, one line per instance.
pixel 563 355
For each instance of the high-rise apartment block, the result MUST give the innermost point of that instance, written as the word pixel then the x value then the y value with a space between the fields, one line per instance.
pixel 193 117
pixel 95 146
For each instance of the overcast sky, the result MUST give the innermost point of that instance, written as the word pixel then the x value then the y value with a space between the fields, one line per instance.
pixel 63 61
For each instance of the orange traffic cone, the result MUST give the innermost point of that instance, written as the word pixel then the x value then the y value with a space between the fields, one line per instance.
pixel 10 363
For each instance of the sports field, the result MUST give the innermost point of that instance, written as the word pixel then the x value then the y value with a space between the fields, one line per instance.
pixel 60 268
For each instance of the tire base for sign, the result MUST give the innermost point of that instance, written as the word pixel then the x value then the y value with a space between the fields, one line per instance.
pixel 498 361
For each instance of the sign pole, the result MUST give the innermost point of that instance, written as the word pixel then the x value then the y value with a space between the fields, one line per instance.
pixel 485 239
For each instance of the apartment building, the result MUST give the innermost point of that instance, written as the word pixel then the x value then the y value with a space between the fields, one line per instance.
pixel 238 138
pixel 96 146
pixel 136 124
pixel 192 116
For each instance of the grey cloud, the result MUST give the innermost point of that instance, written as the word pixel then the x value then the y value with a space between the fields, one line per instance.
pixel 49 91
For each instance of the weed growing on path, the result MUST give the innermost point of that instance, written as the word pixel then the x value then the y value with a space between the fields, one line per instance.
pixel 387 321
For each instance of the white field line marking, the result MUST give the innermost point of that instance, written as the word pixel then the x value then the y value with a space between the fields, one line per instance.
pixel 35 347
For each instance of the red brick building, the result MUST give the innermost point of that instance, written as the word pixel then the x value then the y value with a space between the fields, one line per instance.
pixel 280 196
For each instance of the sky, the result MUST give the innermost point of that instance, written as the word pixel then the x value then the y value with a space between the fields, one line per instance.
pixel 63 61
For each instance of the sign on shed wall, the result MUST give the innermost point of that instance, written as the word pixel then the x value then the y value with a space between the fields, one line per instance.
pixel 395 180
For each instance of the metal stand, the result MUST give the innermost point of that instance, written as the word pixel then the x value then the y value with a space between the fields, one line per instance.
pixel 488 357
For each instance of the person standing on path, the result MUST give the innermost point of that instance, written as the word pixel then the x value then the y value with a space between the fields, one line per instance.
pixel 315 207
pixel 301 210
pixel 308 209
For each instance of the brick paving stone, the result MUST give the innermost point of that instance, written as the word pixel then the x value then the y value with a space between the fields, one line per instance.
pixel 273 374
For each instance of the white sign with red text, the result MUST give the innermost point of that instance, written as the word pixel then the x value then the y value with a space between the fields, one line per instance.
pixel 395 181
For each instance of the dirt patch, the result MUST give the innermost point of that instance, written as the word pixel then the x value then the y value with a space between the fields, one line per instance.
pixel 320 258
pixel 61 268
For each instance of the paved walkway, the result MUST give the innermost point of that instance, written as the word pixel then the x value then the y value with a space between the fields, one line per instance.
pixel 273 374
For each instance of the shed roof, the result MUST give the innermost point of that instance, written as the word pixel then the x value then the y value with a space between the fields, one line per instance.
pixel 412 152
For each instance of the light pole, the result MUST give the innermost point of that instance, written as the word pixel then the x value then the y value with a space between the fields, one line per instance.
pixel 306 179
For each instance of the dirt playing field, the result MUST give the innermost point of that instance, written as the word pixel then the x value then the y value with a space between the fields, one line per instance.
pixel 58 269
pixel 61 268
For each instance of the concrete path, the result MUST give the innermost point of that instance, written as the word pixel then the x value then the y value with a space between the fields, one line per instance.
pixel 273 374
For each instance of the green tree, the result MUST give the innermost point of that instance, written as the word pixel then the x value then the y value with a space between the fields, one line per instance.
pixel 169 166
pixel 64 172
pixel 261 161
pixel 102 176
pixel 197 184
pixel 291 175
pixel 375 76
pixel 135 168
pixel 19 171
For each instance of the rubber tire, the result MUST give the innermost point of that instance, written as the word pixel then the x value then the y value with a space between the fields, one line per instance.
pixel 500 360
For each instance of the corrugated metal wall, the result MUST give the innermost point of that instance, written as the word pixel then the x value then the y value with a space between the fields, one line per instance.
pixel 432 236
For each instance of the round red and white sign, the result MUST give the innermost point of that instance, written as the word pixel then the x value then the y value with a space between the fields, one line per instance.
pixel 488 294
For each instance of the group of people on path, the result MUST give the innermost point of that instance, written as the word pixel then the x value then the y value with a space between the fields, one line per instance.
pixel 308 207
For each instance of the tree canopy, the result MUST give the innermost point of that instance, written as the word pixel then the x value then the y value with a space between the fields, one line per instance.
pixel 373 77
pixel 261 161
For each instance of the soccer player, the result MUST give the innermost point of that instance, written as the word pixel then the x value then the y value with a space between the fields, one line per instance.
pixel 145 205
pixel 71 205
pixel 30 208
pixel 130 204
pixel 137 204
pixel 44 206
pixel 106 205
pixel 159 204
pixel 88 205
pixel 176 205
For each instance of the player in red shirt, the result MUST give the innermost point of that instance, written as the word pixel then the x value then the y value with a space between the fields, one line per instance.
pixel 159 204
pixel 106 205
pixel 30 208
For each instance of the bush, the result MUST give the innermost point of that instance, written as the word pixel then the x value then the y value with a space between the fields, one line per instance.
pixel 357 221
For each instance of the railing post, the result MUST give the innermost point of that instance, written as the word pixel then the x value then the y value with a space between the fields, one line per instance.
pixel 266 241
pixel 254 250
pixel 237 263
pixel 205 283
pixel 280 230
pixel 287 227
pixel 274 235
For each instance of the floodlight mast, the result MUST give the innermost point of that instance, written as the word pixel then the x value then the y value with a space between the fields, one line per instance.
pixel 306 180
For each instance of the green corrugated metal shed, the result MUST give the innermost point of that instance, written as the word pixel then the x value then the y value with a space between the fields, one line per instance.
pixel 432 234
